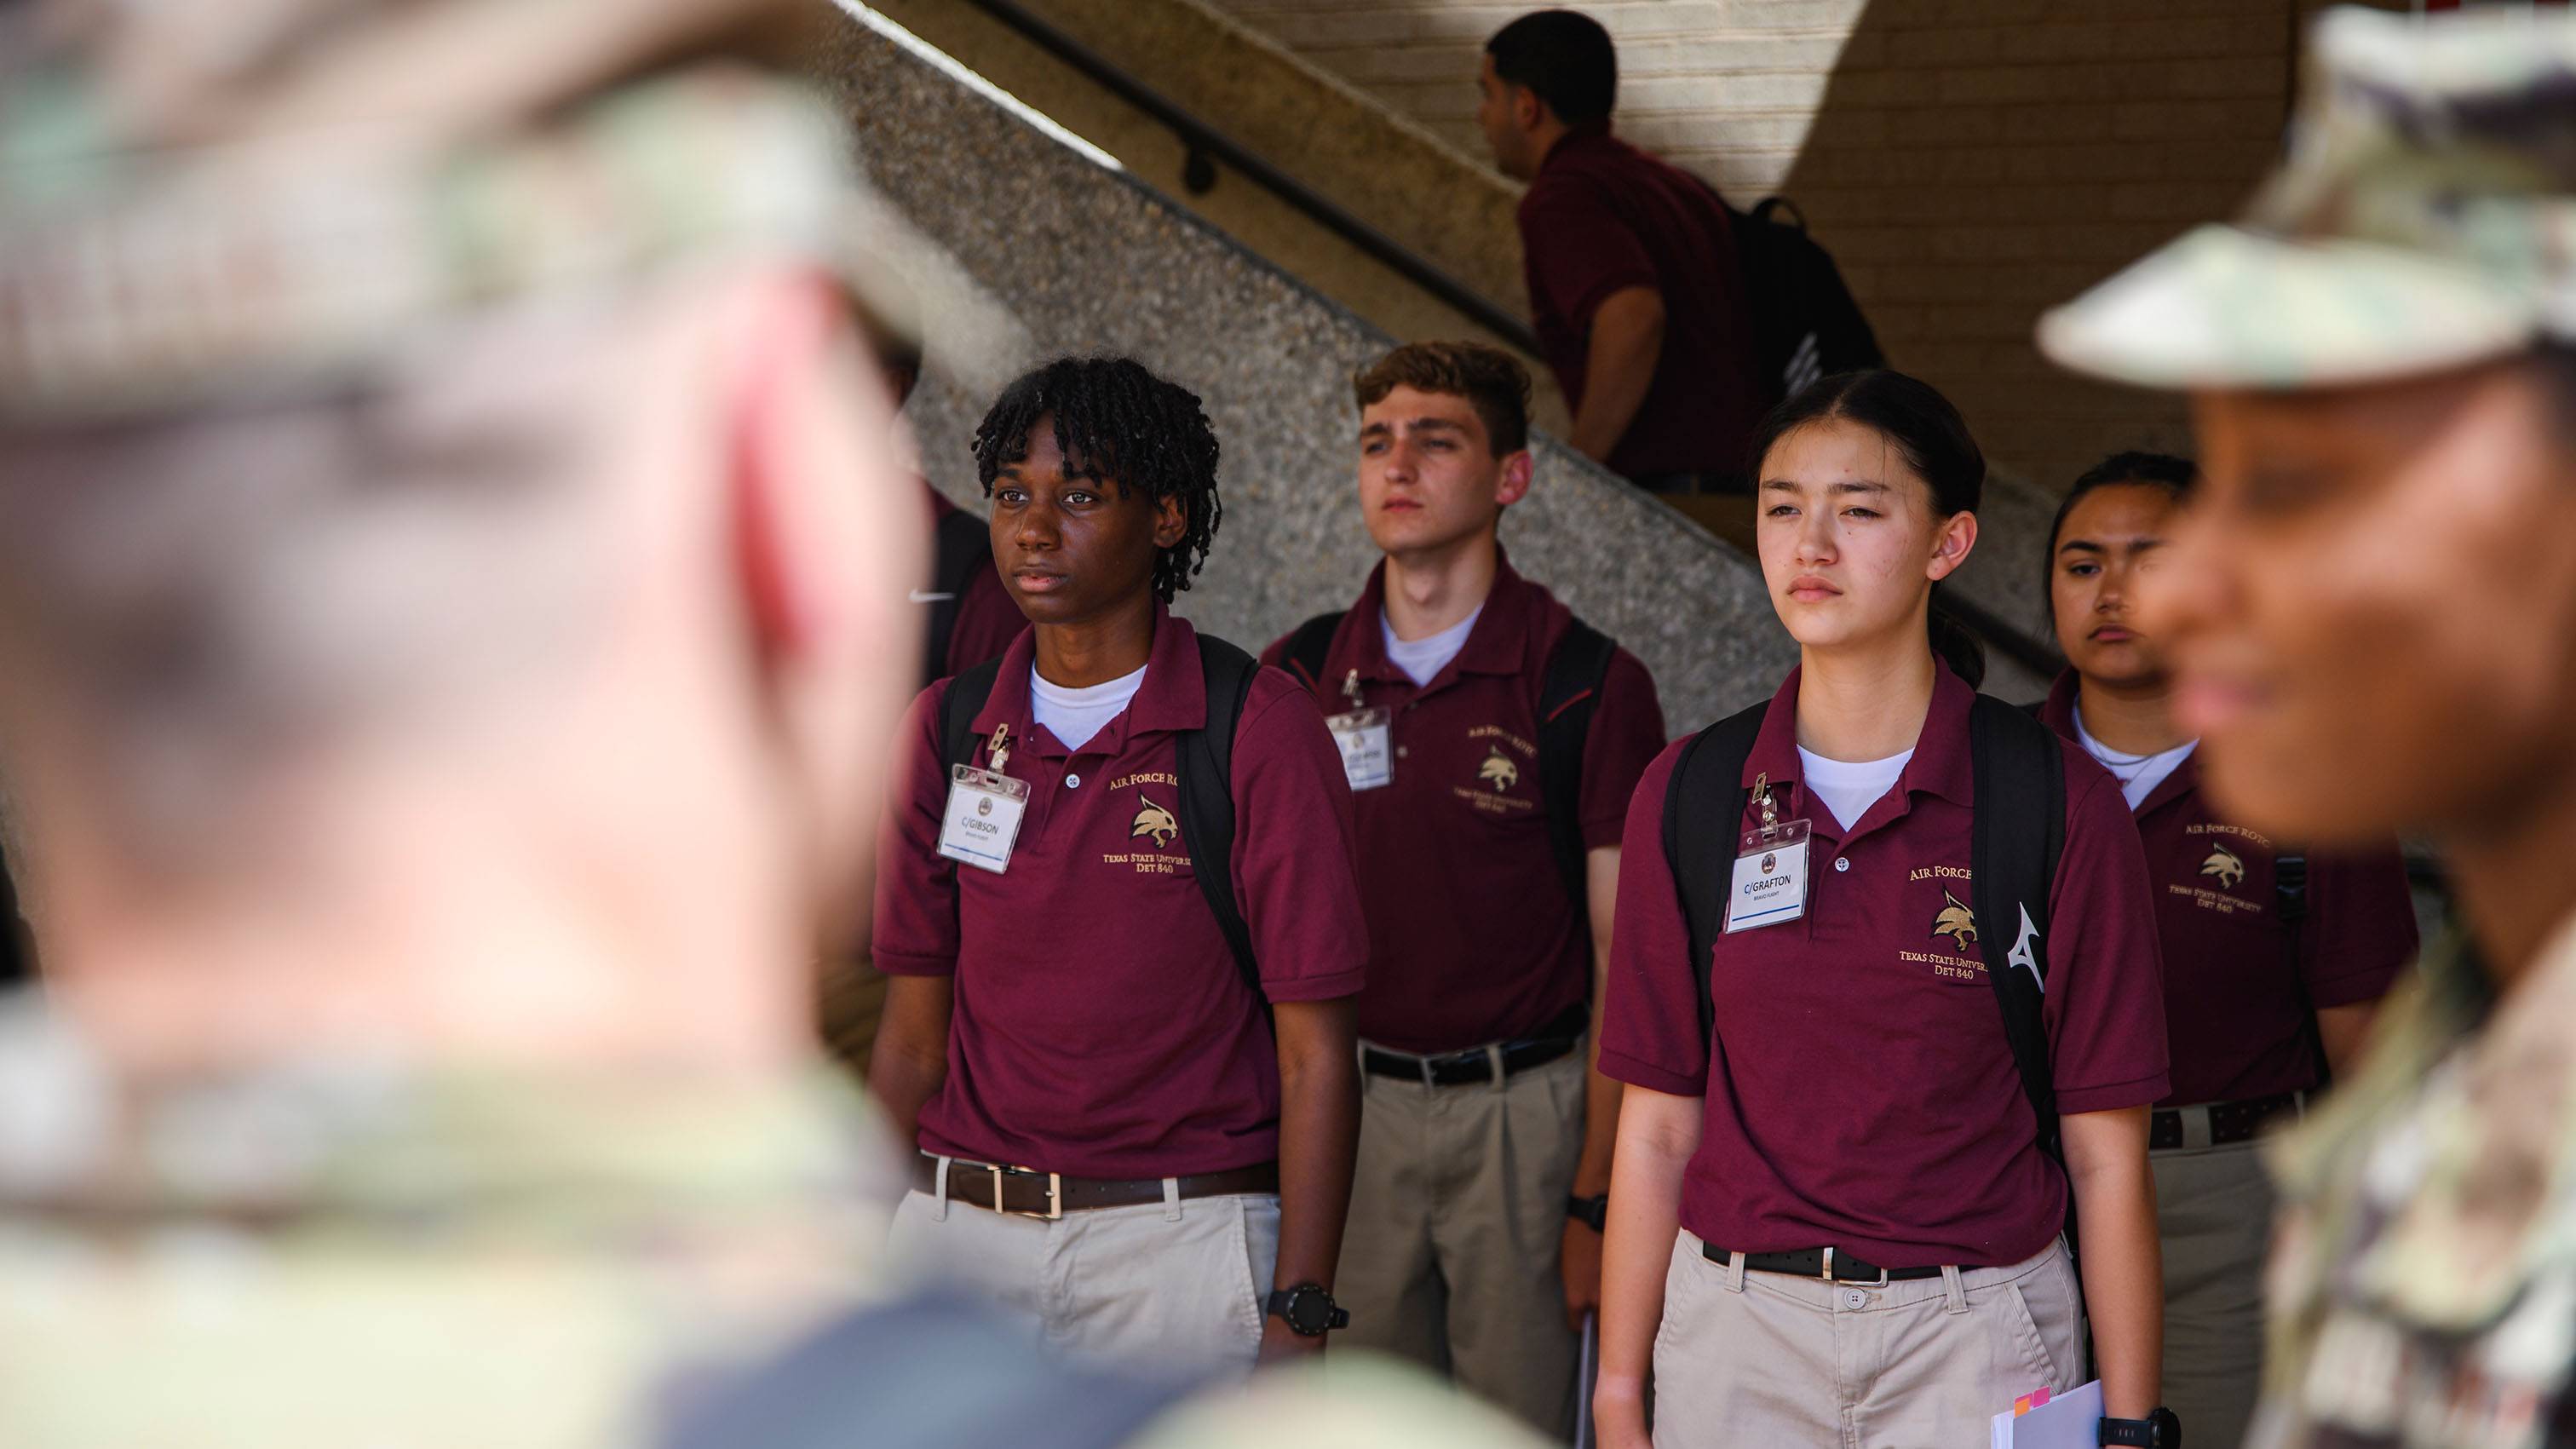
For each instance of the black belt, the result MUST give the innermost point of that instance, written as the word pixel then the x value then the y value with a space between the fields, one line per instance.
pixel 1825 1263
pixel 1476 1064
pixel 1026 1192
pixel 2229 1122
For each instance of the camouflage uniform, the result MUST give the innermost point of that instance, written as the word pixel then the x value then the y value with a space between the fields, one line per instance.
pixel 2423 1290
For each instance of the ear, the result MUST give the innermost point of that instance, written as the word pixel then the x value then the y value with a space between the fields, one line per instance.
pixel 1514 485
pixel 1171 520
pixel 1527 108
pixel 1952 545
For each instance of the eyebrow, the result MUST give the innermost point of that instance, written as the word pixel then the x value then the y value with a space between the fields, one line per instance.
pixel 1792 485
pixel 2086 545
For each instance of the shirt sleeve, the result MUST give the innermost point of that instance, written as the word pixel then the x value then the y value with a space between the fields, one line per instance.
pixel 2360 927
pixel 1577 252
pixel 915 927
pixel 1295 848
pixel 1626 734
pixel 1650 1027
pixel 2105 1002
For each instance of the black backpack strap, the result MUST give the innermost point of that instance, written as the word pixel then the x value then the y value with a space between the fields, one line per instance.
pixel 961 543
pixel 2020 832
pixel 1568 695
pixel 935 1372
pixel 1703 805
pixel 2290 894
pixel 1307 647
pixel 958 708
pixel 1207 795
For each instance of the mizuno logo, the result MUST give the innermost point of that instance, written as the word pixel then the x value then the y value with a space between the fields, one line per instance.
pixel 2021 955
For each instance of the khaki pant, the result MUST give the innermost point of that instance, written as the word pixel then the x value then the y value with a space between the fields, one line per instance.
pixel 1457 1215
pixel 2214 1212
pixel 1167 1289
pixel 1768 1359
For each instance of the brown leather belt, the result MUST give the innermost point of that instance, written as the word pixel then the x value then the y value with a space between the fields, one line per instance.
pixel 1818 1263
pixel 1029 1193
pixel 2229 1122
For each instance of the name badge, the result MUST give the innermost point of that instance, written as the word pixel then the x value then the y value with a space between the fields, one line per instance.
pixel 1368 750
pixel 983 819
pixel 1770 884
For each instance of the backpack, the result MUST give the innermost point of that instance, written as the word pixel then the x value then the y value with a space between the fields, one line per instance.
pixel 2018 835
pixel 961 543
pixel 1569 691
pixel 1206 770
pixel 1805 322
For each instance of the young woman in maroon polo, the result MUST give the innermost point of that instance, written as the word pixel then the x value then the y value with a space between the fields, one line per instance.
pixel 1859 1093
pixel 1079 1013
pixel 2251 996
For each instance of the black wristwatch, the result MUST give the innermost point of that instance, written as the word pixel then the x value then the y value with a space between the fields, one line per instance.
pixel 2158 1430
pixel 1308 1310
pixel 1592 1212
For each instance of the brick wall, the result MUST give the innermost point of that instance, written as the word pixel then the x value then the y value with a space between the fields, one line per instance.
pixel 1968 161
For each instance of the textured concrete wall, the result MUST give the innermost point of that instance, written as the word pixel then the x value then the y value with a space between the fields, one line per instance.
pixel 994 215
pixel 1969 161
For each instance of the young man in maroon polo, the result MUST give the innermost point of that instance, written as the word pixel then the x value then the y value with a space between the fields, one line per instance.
pixel 1115 1139
pixel 1464 1249
pixel 2275 960
pixel 1634 283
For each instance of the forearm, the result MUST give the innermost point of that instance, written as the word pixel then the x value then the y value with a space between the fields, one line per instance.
pixel 1645 1217
pixel 910 1060
pixel 2123 1261
pixel 1619 366
pixel 2344 1031
pixel 1319 1127
pixel 1600 1101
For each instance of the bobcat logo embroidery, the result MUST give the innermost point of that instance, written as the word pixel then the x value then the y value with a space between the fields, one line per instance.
pixel 1956 922
pixel 2223 864
pixel 1155 821
pixel 1497 771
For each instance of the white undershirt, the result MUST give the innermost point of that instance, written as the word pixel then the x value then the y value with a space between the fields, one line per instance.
pixel 1073 716
pixel 1423 659
pixel 1848 788
pixel 2139 775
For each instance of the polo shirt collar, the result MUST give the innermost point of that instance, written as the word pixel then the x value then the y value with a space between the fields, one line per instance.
pixel 2058 713
pixel 1498 644
pixel 1576 138
pixel 1940 766
pixel 1172 697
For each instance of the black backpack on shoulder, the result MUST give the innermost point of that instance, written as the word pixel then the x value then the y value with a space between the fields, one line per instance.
pixel 1570 690
pixel 1805 322
pixel 1206 770
pixel 2020 831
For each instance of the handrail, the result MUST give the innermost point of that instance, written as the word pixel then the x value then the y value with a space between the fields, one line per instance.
pixel 1205 141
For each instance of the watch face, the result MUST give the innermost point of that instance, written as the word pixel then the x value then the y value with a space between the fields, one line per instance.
pixel 1309 1311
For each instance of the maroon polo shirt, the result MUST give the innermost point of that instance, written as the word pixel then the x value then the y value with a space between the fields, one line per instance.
pixel 988 618
pixel 2232 984
pixel 1472 937
pixel 1101 1026
pixel 1862 1095
pixel 1602 216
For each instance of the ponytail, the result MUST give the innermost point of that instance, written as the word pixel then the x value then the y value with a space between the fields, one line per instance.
pixel 1953 645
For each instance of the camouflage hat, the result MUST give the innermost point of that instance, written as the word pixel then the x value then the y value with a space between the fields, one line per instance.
pixel 2425 218
pixel 216 247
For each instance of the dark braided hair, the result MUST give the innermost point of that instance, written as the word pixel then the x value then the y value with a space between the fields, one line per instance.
pixel 1120 424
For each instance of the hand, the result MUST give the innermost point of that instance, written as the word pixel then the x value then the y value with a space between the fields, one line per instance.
pixel 1282 1344
pixel 1579 1259
pixel 1619 1418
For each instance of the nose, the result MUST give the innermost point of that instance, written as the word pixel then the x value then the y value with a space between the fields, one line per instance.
pixel 1815 537
pixel 2190 589
pixel 1037 528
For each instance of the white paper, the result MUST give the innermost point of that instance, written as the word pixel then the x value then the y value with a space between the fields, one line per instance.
pixel 1367 744
pixel 2072 1420
pixel 983 817
pixel 1770 887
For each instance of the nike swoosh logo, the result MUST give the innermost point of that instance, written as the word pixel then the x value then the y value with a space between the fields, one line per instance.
pixel 919 597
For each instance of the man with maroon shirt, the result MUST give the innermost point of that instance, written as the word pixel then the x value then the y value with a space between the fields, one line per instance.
pixel 1474 1241
pixel 1117 1142
pixel 1631 263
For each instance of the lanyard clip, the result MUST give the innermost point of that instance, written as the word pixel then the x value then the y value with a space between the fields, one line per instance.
pixel 1770 809
pixel 1351 687
pixel 997 750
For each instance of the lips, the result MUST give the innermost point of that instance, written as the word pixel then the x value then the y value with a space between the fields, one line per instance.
pixel 1809 589
pixel 2209 704
pixel 1036 581
pixel 2113 634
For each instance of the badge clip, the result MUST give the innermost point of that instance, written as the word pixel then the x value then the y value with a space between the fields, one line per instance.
pixel 997 750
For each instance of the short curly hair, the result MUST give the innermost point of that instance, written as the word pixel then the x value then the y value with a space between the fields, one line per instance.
pixel 1117 423
pixel 1490 379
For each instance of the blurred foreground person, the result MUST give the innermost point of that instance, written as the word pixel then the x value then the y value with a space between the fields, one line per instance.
pixel 2372 616
pixel 450 583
